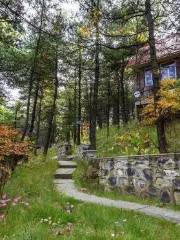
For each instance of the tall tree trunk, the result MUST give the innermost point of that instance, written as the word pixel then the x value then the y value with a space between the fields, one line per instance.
pixel 108 105
pixel 75 112
pixel 160 125
pixel 115 105
pixel 96 86
pixel 38 126
pixel 15 117
pixel 33 71
pixel 118 96
pixel 79 96
pixel 123 96
pixel 90 109
pixel 99 119
pixel 53 135
pixel 34 108
pixel 53 109
pixel 70 109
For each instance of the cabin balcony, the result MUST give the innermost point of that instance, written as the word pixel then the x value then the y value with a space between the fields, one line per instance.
pixel 141 97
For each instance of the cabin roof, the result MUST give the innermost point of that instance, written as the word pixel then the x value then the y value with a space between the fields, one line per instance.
pixel 167 49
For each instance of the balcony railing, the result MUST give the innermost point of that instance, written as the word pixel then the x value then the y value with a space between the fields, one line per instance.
pixel 141 96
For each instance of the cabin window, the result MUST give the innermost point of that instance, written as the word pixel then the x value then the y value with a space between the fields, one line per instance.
pixel 168 71
pixel 148 78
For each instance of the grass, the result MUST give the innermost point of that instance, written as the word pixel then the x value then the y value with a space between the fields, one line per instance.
pixel 34 182
pixel 135 139
pixel 93 187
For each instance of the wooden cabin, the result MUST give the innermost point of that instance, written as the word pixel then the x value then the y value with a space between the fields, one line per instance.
pixel 168 55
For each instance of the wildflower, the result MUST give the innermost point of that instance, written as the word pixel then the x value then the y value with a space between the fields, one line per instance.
pixel 25 203
pixel 2 216
pixel 16 199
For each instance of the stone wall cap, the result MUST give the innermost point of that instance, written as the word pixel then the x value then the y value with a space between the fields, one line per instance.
pixel 143 155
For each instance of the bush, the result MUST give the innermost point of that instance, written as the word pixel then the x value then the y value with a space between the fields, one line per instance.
pixel 168 104
pixel 12 150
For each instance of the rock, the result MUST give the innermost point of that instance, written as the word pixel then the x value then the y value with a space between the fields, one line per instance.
pixel 153 175
pixel 148 174
pixel 176 183
pixel 177 197
pixel 112 181
pixel 130 171
pixel 166 195
pixel 153 192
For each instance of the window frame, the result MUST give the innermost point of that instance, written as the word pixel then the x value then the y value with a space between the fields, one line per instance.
pixel 167 66
pixel 161 66
pixel 146 70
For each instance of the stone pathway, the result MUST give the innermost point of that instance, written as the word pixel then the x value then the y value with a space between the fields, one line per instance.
pixel 65 184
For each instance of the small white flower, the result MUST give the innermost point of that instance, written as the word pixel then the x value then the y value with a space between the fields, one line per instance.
pixel 112 235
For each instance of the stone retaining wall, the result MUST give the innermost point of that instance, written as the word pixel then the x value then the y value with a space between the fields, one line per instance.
pixel 147 176
pixel 155 176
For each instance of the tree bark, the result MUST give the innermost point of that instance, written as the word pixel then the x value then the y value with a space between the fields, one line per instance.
pixel 79 97
pixel 75 112
pixel 160 125
pixel 53 109
pixel 34 108
pixel 108 106
pixel 118 95
pixel 123 95
pixel 38 126
pixel 96 86
pixel 90 110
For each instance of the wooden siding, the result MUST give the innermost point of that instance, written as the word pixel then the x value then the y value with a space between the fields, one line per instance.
pixel 178 68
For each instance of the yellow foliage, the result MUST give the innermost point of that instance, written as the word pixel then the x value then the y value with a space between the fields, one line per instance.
pixel 95 16
pixel 167 105
pixel 85 31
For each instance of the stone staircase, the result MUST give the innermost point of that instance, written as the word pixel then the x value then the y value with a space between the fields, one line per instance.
pixel 65 184
pixel 66 167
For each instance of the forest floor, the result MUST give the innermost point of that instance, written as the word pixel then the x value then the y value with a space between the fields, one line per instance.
pixel 47 215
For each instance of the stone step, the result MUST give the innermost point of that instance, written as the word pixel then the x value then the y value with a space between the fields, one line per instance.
pixel 65 158
pixel 67 164
pixel 64 173
pixel 70 158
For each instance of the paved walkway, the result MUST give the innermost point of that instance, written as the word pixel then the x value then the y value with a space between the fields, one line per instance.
pixel 67 187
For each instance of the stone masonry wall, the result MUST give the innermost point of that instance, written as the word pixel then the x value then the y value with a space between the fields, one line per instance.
pixel 147 176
